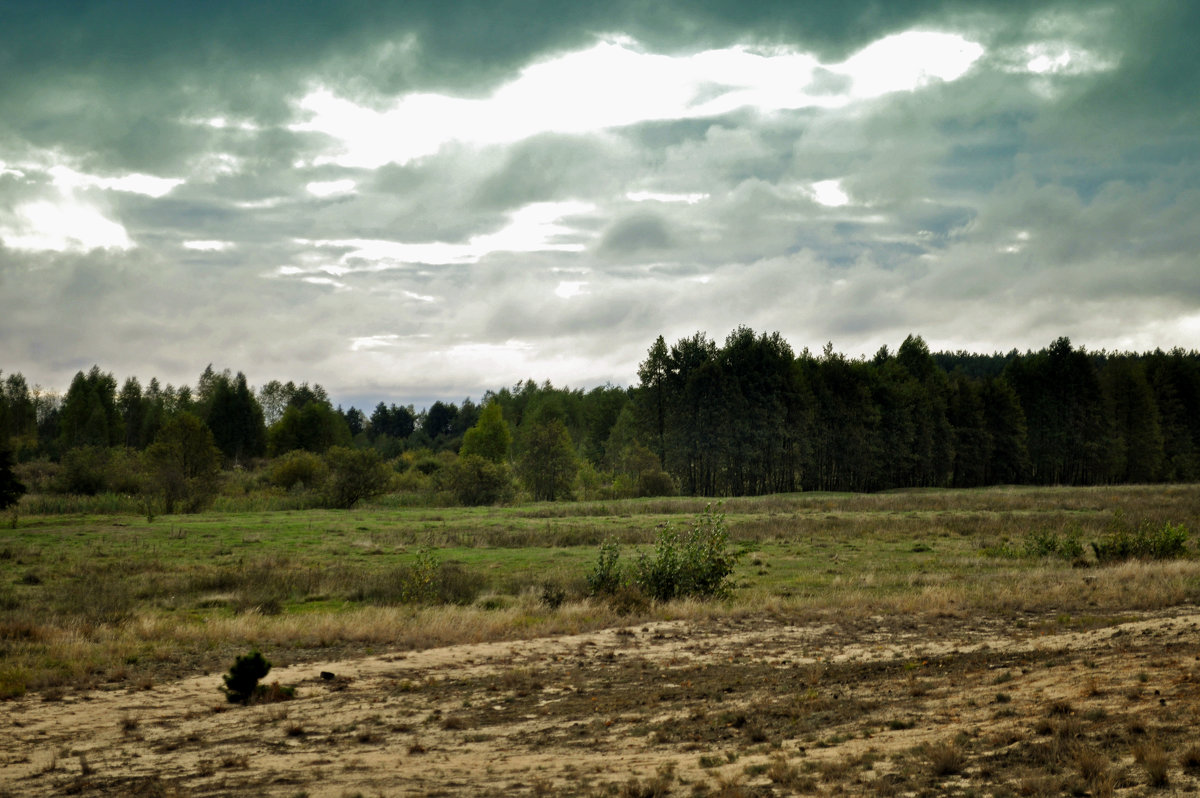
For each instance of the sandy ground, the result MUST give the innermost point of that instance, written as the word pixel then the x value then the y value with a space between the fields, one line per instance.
pixel 756 706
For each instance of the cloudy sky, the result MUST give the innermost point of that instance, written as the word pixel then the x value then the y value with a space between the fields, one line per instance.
pixel 410 201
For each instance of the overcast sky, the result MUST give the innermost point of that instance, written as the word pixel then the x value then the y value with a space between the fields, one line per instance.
pixel 411 201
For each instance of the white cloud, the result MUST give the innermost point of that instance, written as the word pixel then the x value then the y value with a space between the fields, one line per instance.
pixel 329 188
pixel 534 228
pixel 650 196
pixel 908 61
pixel 65 225
pixel 372 342
pixel 569 288
pixel 148 185
pixel 208 246
pixel 830 193
pixel 613 84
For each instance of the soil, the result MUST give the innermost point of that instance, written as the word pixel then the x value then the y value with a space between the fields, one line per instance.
pixel 910 705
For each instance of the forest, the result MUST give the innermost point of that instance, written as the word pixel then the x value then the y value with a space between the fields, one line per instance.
pixel 746 417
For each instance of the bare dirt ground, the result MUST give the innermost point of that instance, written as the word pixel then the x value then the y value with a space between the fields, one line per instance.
pixel 751 706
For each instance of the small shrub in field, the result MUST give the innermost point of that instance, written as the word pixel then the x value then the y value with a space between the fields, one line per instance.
pixel 1046 543
pixel 605 578
pixel 427 580
pixel 696 564
pixel 945 759
pixel 241 683
pixel 553 595
pixel 1147 541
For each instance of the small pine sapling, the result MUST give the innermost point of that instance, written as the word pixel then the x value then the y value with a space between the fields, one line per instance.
pixel 241 683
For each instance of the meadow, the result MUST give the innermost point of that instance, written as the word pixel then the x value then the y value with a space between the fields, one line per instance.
pixel 88 599
pixel 95 603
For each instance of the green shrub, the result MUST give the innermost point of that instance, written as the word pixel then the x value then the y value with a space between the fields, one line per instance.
pixel 427 580
pixel 298 469
pixel 476 481
pixel 696 563
pixel 355 474
pixel 1047 543
pixel 241 683
pixel 84 470
pixel 606 578
pixel 1146 542
pixel 655 483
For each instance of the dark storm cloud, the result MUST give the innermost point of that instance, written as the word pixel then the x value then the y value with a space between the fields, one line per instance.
pixel 1001 208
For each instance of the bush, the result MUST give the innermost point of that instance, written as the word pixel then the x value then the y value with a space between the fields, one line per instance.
pixel 475 481
pixel 298 468
pixel 606 578
pixel 655 483
pixel 426 581
pixel 1045 543
pixel 241 683
pixel 84 471
pixel 696 563
pixel 1146 542
pixel 184 465
pixel 11 488
pixel 355 474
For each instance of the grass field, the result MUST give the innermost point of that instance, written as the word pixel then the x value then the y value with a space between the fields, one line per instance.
pixel 105 603
pixel 93 599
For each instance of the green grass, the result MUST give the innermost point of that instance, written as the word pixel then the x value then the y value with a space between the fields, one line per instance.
pixel 90 578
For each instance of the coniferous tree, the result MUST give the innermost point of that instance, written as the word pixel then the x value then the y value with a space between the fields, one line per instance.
pixel 1068 433
pixel 90 416
pixel 235 418
pixel 971 439
pixel 1137 450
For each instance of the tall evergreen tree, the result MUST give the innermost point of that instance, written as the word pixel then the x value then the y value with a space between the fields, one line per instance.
pixel 1138 449
pixel 235 418
pixel 90 415
pixel 1068 432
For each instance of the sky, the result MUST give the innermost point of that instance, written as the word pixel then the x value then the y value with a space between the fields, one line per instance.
pixel 414 201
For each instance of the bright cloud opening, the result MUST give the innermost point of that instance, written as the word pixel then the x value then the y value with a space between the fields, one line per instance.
pixel 63 226
pixel 650 196
pixel 908 61
pixel 208 246
pixel 329 188
pixel 147 185
pixel 372 342
pixel 830 193
pixel 569 288
pixel 613 84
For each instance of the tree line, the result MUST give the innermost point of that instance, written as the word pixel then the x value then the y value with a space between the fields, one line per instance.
pixel 748 416
pixel 752 417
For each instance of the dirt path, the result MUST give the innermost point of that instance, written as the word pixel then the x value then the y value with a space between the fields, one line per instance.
pixel 737 707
